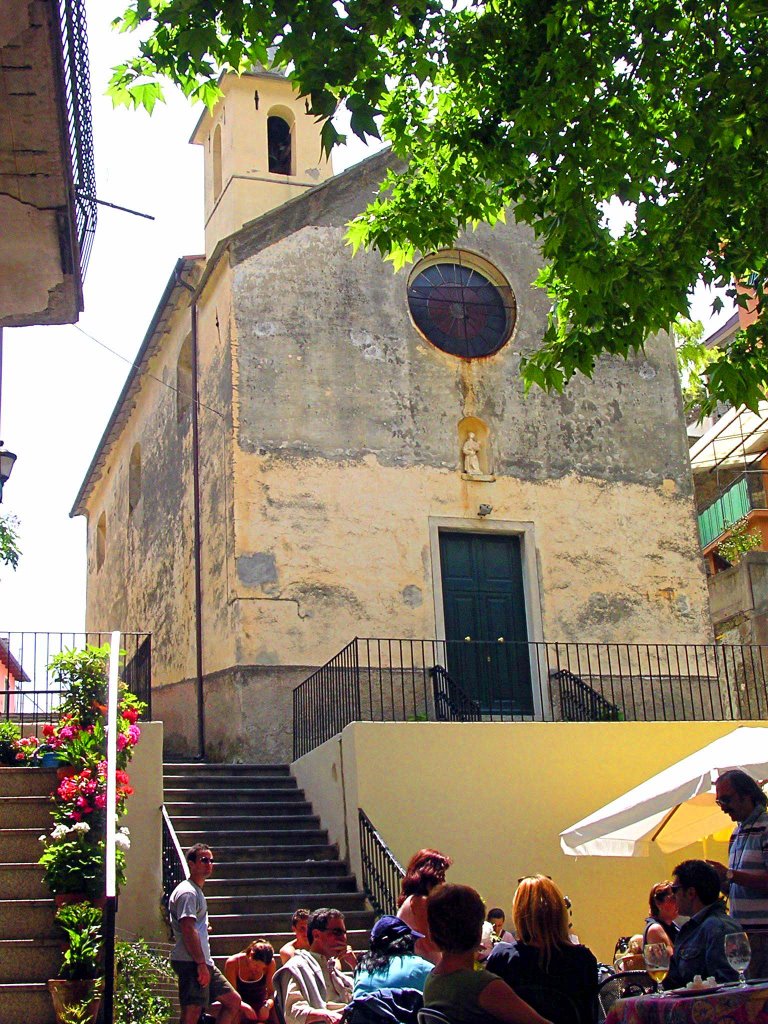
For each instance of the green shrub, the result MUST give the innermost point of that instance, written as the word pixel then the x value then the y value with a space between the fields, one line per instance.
pixel 138 972
pixel 9 733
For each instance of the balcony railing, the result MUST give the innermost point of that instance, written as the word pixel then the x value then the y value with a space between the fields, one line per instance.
pixel 77 113
pixel 399 680
pixel 29 694
pixel 745 493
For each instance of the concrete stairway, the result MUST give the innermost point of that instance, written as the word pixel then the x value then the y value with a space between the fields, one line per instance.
pixel 271 854
pixel 30 951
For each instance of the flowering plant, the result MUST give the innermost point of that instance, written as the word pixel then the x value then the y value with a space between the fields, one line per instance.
pixel 74 854
pixel 73 858
pixel 27 749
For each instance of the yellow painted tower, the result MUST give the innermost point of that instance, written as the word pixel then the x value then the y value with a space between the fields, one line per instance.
pixel 262 148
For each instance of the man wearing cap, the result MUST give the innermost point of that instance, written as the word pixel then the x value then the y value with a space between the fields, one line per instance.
pixel 310 988
pixel 391 962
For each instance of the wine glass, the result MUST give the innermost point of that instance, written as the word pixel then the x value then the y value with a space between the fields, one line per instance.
pixel 656 957
pixel 738 953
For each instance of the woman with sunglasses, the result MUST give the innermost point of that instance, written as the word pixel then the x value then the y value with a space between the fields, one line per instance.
pixel 250 973
pixel 660 925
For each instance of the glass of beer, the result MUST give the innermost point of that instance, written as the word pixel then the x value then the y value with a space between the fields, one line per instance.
pixel 656 957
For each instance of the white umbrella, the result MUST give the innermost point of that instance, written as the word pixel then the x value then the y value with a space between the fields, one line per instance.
pixel 672 809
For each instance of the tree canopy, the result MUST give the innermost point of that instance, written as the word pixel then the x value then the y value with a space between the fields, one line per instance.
pixel 558 110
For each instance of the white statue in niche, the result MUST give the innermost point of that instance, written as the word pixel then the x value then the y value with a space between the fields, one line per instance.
pixel 470 450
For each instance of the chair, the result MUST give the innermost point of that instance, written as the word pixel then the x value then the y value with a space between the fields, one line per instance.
pixel 551 1003
pixel 621 986
pixel 428 1016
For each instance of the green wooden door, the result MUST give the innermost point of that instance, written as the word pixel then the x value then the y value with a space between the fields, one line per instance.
pixel 485 624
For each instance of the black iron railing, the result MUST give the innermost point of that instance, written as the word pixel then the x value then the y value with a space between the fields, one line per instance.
pixel 77 112
pixel 29 693
pixel 174 863
pixel 382 872
pixel 388 680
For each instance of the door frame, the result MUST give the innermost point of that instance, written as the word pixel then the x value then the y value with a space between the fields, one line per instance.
pixel 531 591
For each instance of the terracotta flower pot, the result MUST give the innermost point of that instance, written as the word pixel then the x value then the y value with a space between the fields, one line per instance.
pixel 66 994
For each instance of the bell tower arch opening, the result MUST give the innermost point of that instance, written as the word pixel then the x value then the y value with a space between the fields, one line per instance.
pixel 280 155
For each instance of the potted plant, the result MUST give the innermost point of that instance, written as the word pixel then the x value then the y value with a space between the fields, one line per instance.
pixel 9 737
pixel 74 862
pixel 76 993
pixel 138 972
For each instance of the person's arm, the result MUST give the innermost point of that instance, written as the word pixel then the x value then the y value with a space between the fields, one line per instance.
pixel 502 1002
pixel 656 933
pixel 745 877
pixel 286 952
pixel 417 919
pixel 192 945
pixel 298 1011
pixel 266 1008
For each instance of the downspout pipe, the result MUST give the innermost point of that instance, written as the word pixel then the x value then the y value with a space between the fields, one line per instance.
pixel 196 560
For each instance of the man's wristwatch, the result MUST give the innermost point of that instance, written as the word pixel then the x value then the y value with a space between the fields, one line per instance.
pixel 729 875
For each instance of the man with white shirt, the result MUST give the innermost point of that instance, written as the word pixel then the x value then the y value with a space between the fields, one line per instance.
pixel 310 987
pixel 200 982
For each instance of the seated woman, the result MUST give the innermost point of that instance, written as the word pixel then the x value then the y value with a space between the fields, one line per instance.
pixel 250 973
pixel 426 869
pixel 391 962
pixel 660 925
pixel 543 956
pixel 455 914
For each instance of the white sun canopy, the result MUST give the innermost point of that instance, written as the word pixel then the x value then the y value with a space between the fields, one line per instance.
pixel 672 809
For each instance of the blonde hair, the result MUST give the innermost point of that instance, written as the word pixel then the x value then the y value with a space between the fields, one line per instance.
pixel 540 915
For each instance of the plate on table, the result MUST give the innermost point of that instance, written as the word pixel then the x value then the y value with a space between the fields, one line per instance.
pixel 685 992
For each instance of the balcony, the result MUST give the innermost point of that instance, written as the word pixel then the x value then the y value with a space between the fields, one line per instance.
pixel 47 180
pixel 746 494
pixel 404 680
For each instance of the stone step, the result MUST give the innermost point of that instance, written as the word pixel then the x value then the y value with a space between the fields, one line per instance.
pixel 27 919
pixel 252 839
pixel 21 844
pixel 223 946
pixel 309 853
pixel 24 960
pixel 25 812
pixel 278 870
pixel 284 904
pixel 26 1004
pixel 258 924
pixel 224 822
pixel 261 783
pixel 244 808
pixel 27 781
pixel 273 886
pixel 200 770
pixel 228 794
pixel 22 881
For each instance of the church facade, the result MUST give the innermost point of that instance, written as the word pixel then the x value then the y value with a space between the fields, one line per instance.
pixel 314 448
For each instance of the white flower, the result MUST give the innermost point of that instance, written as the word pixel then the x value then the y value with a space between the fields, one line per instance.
pixel 59 832
pixel 81 826
pixel 124 830
pixel 42 839
pixel 122 841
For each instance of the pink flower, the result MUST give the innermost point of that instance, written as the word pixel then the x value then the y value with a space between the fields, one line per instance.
pixel 134 734
pixel 122 741
pixel 100 800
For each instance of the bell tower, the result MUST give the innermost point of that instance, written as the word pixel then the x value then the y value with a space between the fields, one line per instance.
pixel 261 147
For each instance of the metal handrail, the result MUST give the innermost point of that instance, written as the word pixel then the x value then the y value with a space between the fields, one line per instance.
pixel 175 867
pixel 376 679
pixel 382 872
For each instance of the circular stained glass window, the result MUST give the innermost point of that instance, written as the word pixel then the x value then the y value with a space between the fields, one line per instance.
pixel 461 304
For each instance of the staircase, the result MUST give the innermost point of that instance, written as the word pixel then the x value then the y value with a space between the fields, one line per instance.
pixel 30 951
pixel 271 855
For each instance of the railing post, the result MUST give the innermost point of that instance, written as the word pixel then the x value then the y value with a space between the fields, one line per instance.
pixel 109 844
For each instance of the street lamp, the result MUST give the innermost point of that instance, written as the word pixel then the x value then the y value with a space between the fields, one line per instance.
pixel 7 460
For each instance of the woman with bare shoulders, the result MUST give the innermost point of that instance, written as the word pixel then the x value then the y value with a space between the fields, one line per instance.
pixel 250 973
pixel 426 869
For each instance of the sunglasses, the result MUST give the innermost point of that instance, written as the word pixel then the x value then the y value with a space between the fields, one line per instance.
pixel 205 860
pixel 676 889
pixel 667 895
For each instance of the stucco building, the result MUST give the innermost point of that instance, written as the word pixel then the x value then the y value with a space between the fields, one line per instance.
pixel 361 459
